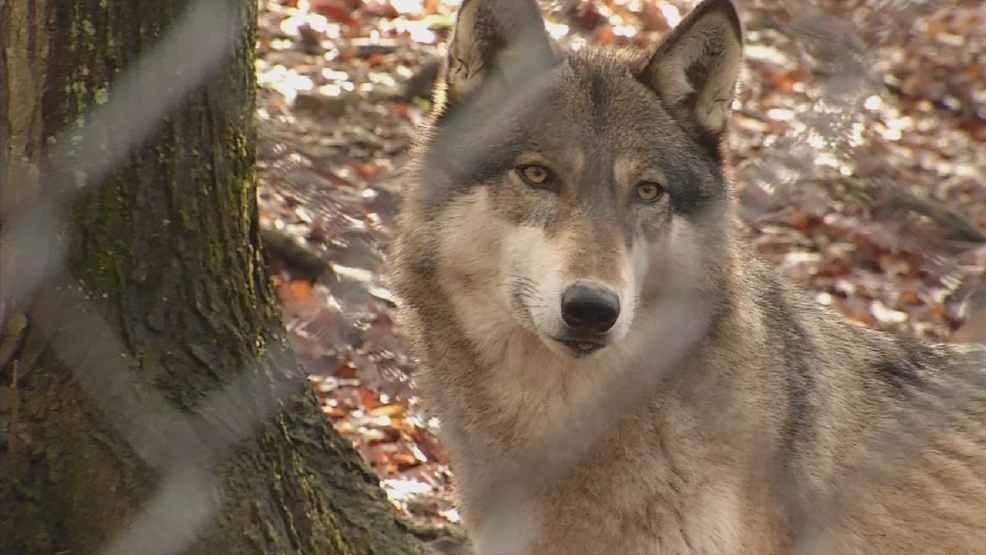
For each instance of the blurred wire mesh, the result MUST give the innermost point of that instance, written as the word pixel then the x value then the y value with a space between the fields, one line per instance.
pixel 821 128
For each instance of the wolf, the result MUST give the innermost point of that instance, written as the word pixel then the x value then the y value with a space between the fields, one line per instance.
pixel 613 368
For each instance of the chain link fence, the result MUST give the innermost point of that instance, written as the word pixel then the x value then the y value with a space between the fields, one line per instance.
pixel 823 158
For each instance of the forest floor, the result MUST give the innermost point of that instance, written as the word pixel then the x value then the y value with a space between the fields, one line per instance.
pixel 859 140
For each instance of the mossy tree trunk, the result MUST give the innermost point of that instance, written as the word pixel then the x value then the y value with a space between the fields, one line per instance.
pixel 149 401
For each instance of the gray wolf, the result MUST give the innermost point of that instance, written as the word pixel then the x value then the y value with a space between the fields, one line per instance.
pixel 614 369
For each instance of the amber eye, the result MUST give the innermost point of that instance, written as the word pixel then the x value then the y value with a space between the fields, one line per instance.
pixel 649 192
pixel 534 174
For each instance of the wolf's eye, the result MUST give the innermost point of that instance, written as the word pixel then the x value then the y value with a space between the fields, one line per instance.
pixel 648 192
pixel 535 175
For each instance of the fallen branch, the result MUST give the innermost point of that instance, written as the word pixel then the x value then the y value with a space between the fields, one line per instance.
pixel 284 247
pixel 961 230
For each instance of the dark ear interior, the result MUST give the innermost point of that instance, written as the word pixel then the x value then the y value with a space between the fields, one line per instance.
pixel 504 36
pixel 696 68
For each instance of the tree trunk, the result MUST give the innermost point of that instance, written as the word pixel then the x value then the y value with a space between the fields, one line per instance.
pixel 149 401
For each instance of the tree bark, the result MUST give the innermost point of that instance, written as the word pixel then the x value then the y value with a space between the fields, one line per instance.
pixel 149 401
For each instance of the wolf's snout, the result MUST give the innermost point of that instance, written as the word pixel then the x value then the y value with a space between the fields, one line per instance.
pixel 589 309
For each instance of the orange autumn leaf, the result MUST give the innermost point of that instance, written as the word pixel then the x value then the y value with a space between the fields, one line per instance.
pixel 605 35
pixel 799 220
pixel 652 18
pixel 386 410
pixel 283 290
pixel 910 297
pixel 367 398
pixel 300 289
pixel 365 170
pixel 339 11
pixel 404 460
pixel 345 370
pixel 402 109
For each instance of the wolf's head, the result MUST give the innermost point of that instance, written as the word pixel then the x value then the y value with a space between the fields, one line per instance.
pixel 560 191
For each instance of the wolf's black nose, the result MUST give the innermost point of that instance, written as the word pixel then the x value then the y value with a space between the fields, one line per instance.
pixel 589 309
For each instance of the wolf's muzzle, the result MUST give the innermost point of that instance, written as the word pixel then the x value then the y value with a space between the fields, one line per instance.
pixel 589 309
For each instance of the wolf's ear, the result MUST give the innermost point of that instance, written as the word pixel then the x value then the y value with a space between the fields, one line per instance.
pixel 505 36
pixel 696 68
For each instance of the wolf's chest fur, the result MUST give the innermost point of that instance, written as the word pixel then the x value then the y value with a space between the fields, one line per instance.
pixel 547 463
pixel 668 496
pixel 649 486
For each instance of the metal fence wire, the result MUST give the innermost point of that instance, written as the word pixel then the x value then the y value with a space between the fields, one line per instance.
pixel 841 54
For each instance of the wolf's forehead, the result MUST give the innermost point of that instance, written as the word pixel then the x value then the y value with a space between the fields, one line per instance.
pixel 601 101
